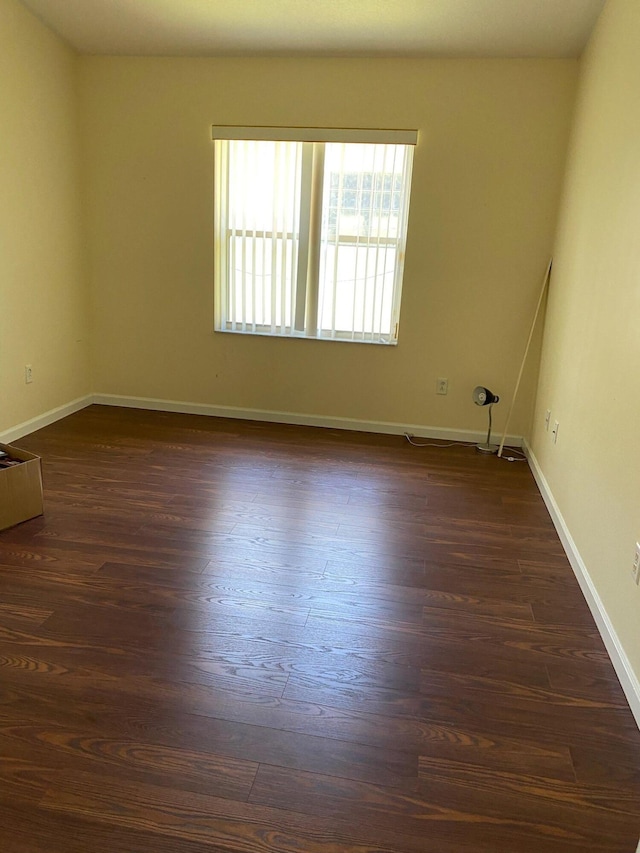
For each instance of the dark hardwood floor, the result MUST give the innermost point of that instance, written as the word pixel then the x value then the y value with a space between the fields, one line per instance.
pixel 230 636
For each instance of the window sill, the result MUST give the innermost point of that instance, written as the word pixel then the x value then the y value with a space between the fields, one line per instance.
pixel 301 336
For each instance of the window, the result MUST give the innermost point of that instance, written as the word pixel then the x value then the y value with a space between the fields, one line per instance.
pixel 310 229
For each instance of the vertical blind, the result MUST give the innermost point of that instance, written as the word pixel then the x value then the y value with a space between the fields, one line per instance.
pixel 259 248
pixel 310 234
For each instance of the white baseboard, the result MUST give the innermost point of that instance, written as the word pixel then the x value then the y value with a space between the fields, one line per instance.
pixel 330 422
pixel 626 675
pixel 53 415
pixel 268 415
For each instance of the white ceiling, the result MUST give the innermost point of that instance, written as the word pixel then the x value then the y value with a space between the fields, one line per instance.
pixel 495 28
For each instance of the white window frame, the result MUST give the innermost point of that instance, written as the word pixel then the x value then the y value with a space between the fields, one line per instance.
pixel 305 320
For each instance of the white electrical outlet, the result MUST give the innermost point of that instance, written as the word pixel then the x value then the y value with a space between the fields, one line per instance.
pixel 442 386
pixel 635 571
pixel 28 373
pixel 554 432
pixel 547 419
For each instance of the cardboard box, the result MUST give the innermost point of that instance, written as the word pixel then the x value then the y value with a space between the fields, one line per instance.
pixel 20 488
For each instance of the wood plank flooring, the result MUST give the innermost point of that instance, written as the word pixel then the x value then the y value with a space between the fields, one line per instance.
pixel 230 636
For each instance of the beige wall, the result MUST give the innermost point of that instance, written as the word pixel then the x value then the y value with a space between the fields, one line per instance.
pixel 590 374
pixel 487 177
pixel 43 294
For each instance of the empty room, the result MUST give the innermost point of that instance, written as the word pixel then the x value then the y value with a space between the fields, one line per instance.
pixel 319 393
